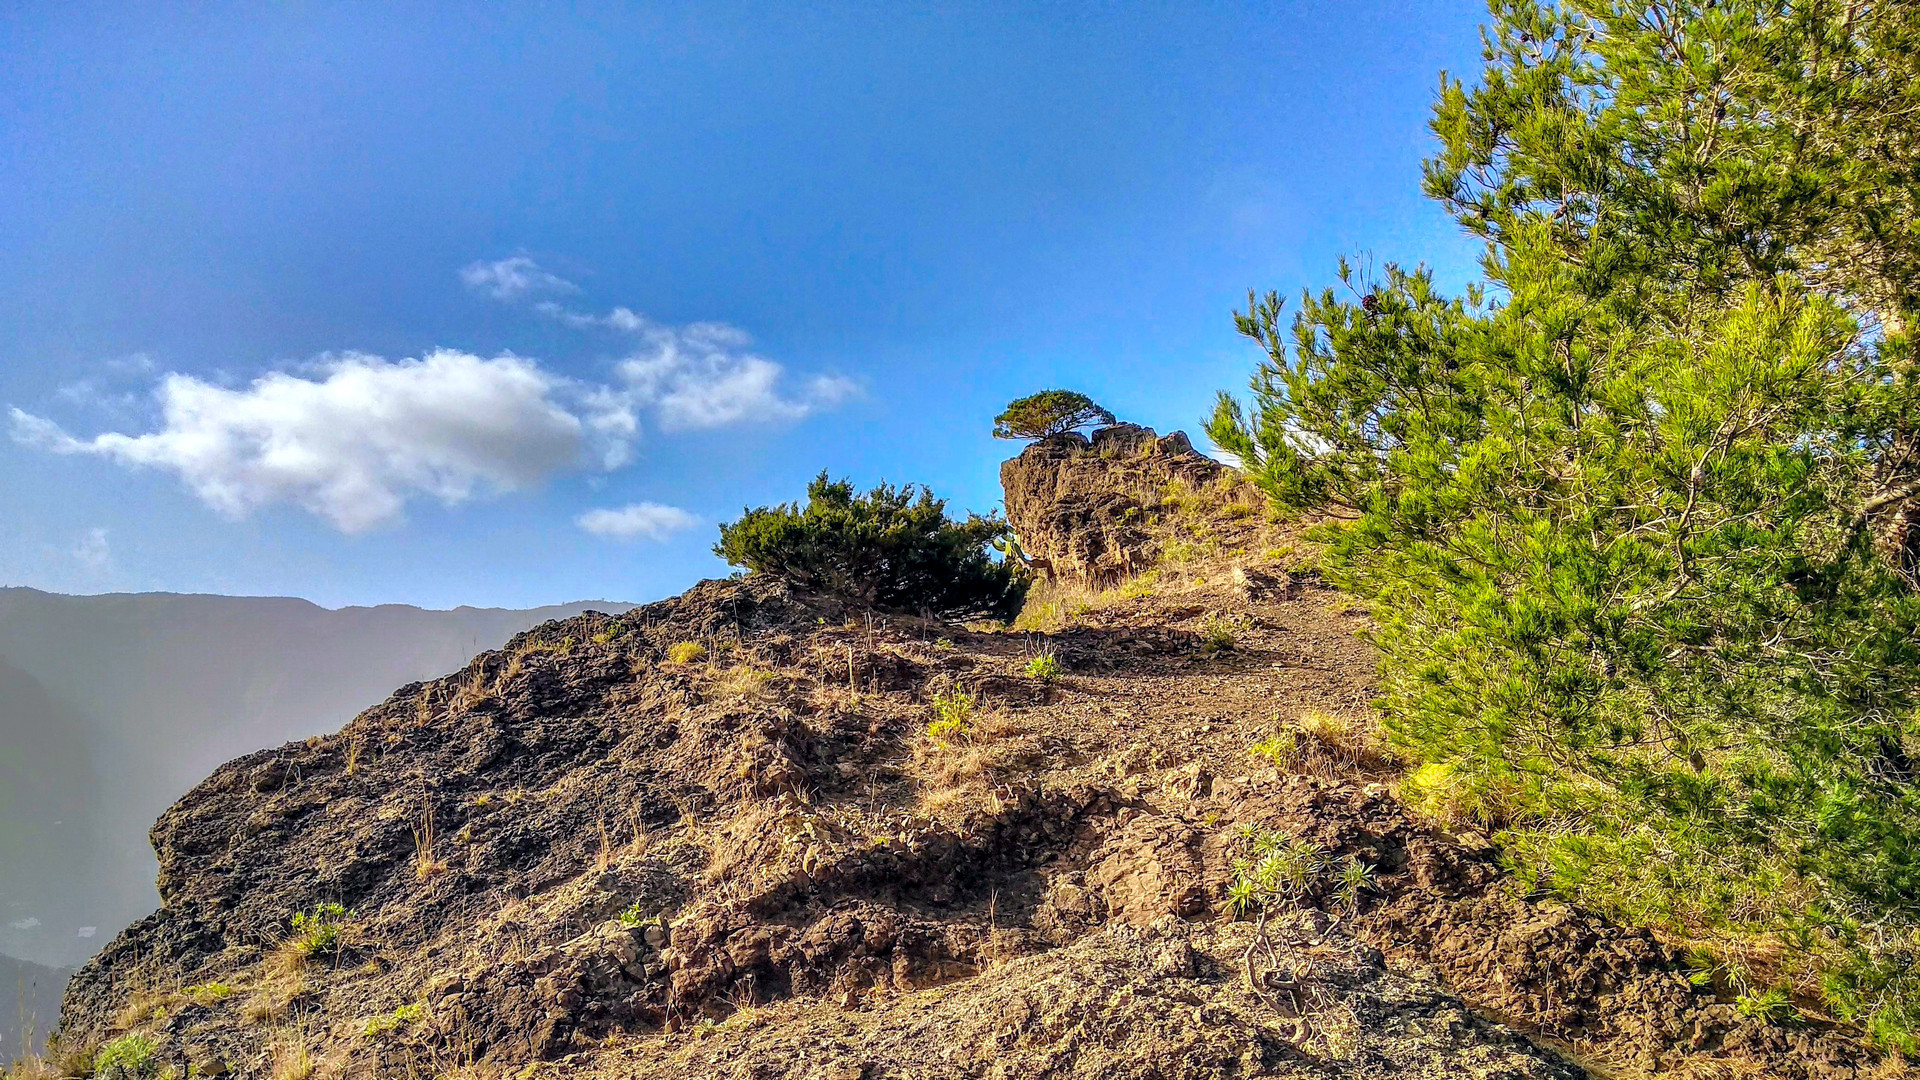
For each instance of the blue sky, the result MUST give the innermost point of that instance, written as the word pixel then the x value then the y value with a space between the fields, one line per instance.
pixel 447 304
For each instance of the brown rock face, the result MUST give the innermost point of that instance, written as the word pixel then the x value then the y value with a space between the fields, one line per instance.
pixel 1083 508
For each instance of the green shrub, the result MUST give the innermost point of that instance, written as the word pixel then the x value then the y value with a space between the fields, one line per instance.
pixel 1773 1005
pixel 318 931
pixel 403 1017
pixel 1218 634
pixel 1048 413
pixel 209 994
pixel 1282 748
pixel 129 1057
pixel 891 548
pixel 1044 667
pixel 1636 515
pixel 1355 879
pixel 1274 868
pixel 953 717
pixel 686 652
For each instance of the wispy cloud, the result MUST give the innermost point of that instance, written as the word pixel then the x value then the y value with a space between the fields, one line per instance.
pixel 644 520
pixel 92 550
pixel 514 278
pixel 704 374
pixel 105 389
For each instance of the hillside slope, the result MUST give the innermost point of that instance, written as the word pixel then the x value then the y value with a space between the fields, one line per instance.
pixel 593 853
pixel 112 706
pixel 53 847
pixel 29 1004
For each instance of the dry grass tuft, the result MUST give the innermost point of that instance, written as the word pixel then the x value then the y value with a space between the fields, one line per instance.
pixel 292 1056
pixel 426 864
pixel 743 683
pixel 145 1005
pixel 1326 744
pixel 476 690
pixel 996 744
pixel 748 843
pixel 36 1067
pixel 282 981
pixel 1353 743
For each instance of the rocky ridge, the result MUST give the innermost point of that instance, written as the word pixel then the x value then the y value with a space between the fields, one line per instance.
pixel 713 837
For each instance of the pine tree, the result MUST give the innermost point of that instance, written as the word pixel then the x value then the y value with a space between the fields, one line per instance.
pixel 1636 512
pixel 1048 413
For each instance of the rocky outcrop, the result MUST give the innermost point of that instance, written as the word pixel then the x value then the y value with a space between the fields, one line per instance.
pixel 1088 509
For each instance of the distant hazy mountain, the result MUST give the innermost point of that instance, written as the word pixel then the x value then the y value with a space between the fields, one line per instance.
pixel 29 1005
pixel 112 707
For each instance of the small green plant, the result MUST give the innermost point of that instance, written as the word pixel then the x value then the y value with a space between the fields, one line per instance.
pixel 1700 966
pixel 1242 895
pixel 1355 879
pixel 1044 667
pixel 953 717
pixel 400 1018
pixel 129 1057
pixel 1773 1006
pixel 1276 868
pixel 206 995
pixel 318 931
pixel 686 652
pixel 1218 634
pixel 633 917
pixel 1282 748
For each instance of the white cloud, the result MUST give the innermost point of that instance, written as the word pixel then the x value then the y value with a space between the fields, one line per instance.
pixel 513 278
pixel 647 520
pixel 701 375
pixel 25 924
pixel 86 931
pixel 354 444
pixel 354 437
pixel 92 550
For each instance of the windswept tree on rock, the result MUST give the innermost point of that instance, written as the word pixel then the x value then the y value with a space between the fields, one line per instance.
pixel 1048 413
pixel 892 548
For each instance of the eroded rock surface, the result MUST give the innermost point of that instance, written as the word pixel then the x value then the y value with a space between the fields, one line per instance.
pixel 1084 507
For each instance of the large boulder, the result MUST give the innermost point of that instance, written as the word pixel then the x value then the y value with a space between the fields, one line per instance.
pixel 1085 509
